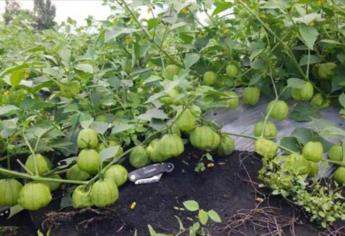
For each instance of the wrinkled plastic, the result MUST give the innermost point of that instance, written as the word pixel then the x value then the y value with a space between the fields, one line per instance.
pixel 242 121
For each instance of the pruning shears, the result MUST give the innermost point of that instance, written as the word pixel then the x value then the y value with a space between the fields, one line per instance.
pixel 151 173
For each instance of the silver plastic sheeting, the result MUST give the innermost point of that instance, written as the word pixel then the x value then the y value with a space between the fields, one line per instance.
pixel 243 119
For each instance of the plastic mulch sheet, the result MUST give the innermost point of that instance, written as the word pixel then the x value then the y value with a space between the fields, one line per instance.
pixel 243 119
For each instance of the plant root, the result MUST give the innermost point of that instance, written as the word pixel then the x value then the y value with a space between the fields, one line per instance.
pixel 265 221
pixel 87 217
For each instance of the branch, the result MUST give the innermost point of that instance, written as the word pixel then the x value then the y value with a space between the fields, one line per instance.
pixel 124 5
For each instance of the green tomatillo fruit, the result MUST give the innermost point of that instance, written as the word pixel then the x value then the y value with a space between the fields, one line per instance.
pixel 70 89
pixel 233 100
pixel 43 164
pixel 170 145
pixel 326 70
pixel 186 121
pixel 171 97
pixel 89 160
pixel 320 102
pixel 152 150
pixel 303 94
pixel 313 151
pixel 87 138
pixel 81 197
pixel 170 71
pixel 266 148
pixel 232 70
pixel 339 175
pixel 34 196
pixel 226 146
pixel 278 109
pixel 117 174
pixel 75 173
pixel 336 153
pixel 313 168
pixel 251 95
pixel 204 138
pixel 139 157
pixel 196 110
pixel 104 193
pixel 268 131
pixel 9 192
pixel 210 78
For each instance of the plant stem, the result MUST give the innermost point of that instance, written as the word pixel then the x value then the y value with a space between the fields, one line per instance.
pixel 240 135
pixel 339 163
pixel 32 153
pixel 287 48
pixel 123 4
pixel 39 178
pixel 255 138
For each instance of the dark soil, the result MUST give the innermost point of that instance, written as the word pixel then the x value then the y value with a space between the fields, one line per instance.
pixel 229 187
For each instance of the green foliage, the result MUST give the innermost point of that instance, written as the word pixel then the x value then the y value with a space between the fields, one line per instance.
pixel 203 217
pixel 129 78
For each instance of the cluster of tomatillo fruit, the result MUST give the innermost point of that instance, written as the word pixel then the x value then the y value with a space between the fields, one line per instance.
pixel 101 189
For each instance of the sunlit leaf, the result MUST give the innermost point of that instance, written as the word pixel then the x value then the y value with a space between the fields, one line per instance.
pixel 309 35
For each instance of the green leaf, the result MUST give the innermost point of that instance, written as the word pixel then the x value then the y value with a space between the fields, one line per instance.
pixel 117 31
pixel 119 128
pixel 84 67
pixel 308 18
pixel 65 55
pixel 191 59
pixel 155 96
pixel 330 41
pixel 15 210
pixel 214 216
pixel 303 113
pixel 66 200
pixel 13 69
pixel 194 229
pixel 295 83
pixel 8 127
pixel 338 81
pixel 108 153
pixel 312 60
pixel 85 120
pixel 220 7
pixel 327 128
pixel 153 23
pixel 342 100
pixel 275 4
pixel 309 35
pixel 100 127
pixel 191 205
pixel 8 109
pixel 290 143
pixel 153 113
pixel 304 135
pixel 152 78
pixel 17 76
pixel 152 231
pixel 178 25
pixel 203 217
